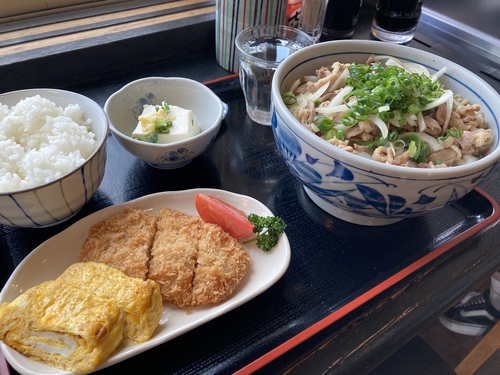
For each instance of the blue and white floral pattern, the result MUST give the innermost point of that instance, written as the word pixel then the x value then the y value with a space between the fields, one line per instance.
pixel 364 192
pixel 147 99
pixel 174 156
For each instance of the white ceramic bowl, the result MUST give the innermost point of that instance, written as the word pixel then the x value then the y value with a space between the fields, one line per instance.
pixel 364 191
pixel 59 200
pixel 125 106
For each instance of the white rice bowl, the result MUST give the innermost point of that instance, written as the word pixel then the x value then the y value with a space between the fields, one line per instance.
pixel 40 142
pixel 52 155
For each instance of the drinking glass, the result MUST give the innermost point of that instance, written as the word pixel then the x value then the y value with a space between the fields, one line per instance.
pixel 395 21
pixel 312 16
pixel 261 49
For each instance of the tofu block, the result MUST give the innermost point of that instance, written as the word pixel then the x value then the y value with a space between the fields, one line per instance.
pixel 185 124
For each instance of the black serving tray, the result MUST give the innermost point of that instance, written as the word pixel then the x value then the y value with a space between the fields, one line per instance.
pixel 335 266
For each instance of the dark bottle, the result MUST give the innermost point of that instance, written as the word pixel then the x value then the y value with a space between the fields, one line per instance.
pixel 341 18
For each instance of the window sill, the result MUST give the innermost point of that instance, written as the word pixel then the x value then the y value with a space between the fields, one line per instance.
pixel 71 52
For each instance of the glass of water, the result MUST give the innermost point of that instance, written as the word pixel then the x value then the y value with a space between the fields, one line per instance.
pixel 261 49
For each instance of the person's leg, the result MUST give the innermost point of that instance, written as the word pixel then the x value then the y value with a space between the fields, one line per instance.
pixel 476 313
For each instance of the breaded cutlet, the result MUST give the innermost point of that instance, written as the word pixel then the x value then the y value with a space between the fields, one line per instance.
pixel 221 264
pixel 173 256
pixel 123 241
pixel 194 262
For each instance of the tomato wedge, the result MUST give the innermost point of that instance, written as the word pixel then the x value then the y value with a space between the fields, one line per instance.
pixel 216 211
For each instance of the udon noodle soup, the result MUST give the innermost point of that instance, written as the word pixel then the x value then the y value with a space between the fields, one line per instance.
pixel 392 112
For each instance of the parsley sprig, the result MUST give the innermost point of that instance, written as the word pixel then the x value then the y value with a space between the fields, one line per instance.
pixel 268 229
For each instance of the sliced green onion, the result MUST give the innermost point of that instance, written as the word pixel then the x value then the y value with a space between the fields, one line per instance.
pixel 163 106
pixel 454 132
pixel 372 145
pixel 393 136
pixel 151 137
pixel 289 98
pixel 425 151
pixel 323 123
pixel 162 126
pixel 451 132
pixel 337 133
pixel 414 149
pixel 383 90
pixel 419 151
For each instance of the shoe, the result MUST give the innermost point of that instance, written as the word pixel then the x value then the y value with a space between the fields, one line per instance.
pixel 472 317
pixel 467 298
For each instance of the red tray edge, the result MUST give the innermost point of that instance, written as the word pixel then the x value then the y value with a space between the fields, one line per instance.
pixel 359 301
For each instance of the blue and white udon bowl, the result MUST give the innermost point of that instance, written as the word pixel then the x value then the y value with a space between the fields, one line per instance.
pixel 361 190
pixel 56 201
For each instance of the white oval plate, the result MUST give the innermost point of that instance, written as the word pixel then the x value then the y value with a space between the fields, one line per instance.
pixel 53 256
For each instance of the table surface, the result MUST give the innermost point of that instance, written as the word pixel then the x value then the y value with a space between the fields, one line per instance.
pixel 351 295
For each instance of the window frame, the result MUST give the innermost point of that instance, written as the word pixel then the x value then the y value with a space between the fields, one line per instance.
pixel 103 20
pixel 30 9
pixel 72 48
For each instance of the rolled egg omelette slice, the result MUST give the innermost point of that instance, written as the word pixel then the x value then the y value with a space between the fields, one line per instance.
pixel 63 327
pixel 139 299
pixel 77 321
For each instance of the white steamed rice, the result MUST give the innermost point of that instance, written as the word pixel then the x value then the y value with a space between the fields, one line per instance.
pixel 40 142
